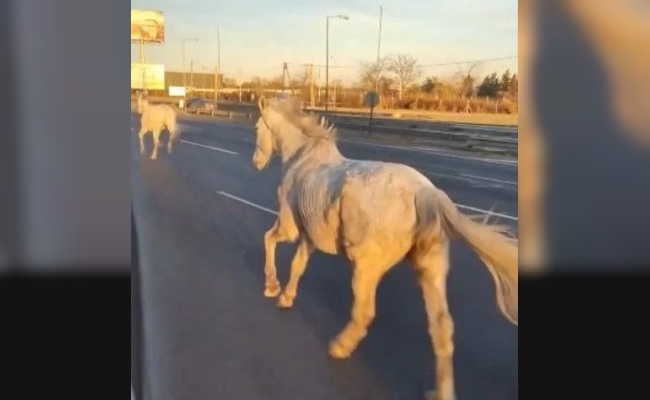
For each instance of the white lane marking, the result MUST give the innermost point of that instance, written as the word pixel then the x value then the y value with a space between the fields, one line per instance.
pixel 209 147
pixel 239 199
pixel 464 178
pixel 433 151
pixel 482 211
pixel 268 210
pixel 491 179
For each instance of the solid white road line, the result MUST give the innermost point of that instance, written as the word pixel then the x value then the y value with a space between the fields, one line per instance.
pixel 482 211
pixel 209 147
pixel 249 203
pixel 268 210
pixel 491 179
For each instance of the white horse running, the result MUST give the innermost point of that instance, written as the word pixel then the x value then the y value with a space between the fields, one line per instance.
pixel 375 214
pixel 155 118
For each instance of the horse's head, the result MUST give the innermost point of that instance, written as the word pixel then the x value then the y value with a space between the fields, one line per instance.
pixel 283 126
pixel 269 129
pixel 141 102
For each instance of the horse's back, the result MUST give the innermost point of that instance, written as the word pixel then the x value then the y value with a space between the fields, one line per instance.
pixel 159 116
pixel 378 213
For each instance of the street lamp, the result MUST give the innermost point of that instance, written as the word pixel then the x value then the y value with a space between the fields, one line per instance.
pixel 184 41
pixel 327 53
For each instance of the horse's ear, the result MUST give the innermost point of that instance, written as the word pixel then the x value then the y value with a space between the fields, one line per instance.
pixel 262 103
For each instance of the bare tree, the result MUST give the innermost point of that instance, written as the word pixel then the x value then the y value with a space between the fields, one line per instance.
pixel 372 72
pixel 406 68
pixel 467 79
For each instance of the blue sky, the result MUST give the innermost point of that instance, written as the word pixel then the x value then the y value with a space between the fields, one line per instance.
pixel 257 36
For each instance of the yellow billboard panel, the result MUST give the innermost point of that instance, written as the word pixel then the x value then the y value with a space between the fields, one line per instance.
pixel 148 76
pixel 147 26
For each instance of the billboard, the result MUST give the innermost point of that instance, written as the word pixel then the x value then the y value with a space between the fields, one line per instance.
pixel 177 91
pixel 147 26
pixel 148 76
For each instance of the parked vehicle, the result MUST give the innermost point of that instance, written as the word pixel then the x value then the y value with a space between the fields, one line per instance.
pixel 200 106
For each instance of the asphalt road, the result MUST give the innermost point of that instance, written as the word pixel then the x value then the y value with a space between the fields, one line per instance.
pixel 210 333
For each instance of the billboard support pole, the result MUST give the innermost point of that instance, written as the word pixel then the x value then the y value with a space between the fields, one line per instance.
pixel 144 81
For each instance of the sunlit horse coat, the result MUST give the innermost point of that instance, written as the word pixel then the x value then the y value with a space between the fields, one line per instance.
pixel 375 214
pixel 155 118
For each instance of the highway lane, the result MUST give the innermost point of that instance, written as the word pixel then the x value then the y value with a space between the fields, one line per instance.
pixel 209 332
pixel 484 183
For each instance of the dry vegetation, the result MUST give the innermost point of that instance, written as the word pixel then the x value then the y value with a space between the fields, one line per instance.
pixel 399 80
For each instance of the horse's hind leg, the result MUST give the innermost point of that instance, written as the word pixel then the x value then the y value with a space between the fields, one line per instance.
pixel 156 144
pixel 365 279
pixel 298 266
pixel 172 135
pixel 432 266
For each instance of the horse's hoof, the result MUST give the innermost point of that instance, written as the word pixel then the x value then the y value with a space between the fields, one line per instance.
pixel 272 291
pixel 285 301
pixel 338 351
pixel 432 395
pixel 152 157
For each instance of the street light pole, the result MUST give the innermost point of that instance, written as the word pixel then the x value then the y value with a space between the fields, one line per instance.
pixel 216 78
pixel 183 48
pixel 327 54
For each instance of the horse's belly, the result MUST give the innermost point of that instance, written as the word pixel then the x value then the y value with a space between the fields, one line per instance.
pixel 324 240
pixel 324 234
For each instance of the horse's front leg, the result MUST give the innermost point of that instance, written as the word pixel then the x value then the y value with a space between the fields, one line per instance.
pixel 156 144
pixel 141 139
pixel 271 239
pixel 298 265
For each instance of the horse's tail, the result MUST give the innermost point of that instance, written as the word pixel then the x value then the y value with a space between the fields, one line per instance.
pixel 172 124
pixel 493 245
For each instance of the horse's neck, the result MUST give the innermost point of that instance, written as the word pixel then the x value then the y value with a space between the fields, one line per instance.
pixel 311 152
pixel 143 107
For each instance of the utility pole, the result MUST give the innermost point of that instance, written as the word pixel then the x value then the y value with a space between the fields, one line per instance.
pixel 192 75
pixel 327 53
pixel 381 12
pixel 241 80
pixel 144 80
pixel 286 81
pixel 311 85
pixel 216 75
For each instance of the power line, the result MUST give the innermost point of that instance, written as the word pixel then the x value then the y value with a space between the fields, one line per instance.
pixel 469 62
pixel 422 65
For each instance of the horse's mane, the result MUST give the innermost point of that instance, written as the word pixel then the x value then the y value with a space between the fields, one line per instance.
pixel 308 123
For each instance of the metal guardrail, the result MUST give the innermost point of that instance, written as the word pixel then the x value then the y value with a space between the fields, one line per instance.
pixel 501 143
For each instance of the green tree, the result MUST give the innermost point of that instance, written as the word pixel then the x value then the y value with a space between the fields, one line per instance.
pixel 506 79
pixel 490 86
pixel 513 87
pixel 430 84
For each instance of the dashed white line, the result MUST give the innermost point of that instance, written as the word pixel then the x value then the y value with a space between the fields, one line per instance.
pixel 268 210
pixel 491 179
pixel 482 211
pixel 209 147
pixel 239 199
